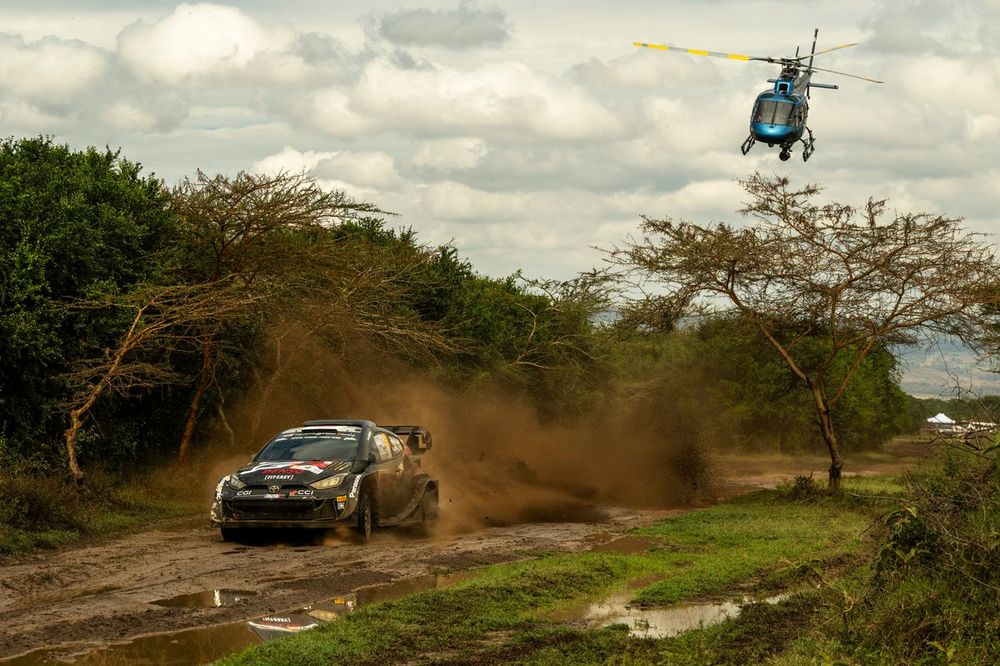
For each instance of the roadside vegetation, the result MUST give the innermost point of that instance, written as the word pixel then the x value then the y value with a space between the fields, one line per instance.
pixel 891 570
pixel 530 612
pixel 147 332
pixel 145 328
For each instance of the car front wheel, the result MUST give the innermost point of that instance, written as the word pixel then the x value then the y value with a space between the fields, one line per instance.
pixel 365 521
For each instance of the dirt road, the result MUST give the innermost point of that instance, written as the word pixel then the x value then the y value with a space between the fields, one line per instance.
pixel 74 603
pixel 82 598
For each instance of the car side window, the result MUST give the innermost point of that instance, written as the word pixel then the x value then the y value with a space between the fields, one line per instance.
pixel 382 448
pixel 396 444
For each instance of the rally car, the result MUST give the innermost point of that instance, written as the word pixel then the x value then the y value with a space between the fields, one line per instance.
pixel 328 472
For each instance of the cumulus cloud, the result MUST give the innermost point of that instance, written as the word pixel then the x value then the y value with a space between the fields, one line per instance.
pixel 49 72
pixel 647 70
pixel 290 160
pixel 450 200
pixel 503 97
pixel 209 41
pixel 526 160
pixel 926 26
pixel 331 111
pixel 373 170
pixel 445 155
pixel 460 28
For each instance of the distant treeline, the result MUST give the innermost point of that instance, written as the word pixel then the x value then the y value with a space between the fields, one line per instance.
pixel 132 315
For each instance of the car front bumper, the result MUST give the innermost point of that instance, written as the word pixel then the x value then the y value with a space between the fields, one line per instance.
pixel 258 511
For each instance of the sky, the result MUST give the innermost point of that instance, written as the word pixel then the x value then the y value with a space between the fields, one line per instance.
pixel 528 134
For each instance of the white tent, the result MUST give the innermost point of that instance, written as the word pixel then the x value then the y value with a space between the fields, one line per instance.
pixel 940 419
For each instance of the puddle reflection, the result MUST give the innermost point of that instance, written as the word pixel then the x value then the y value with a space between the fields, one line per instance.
pixel 206 599
pixel 207 644
pixel 657 622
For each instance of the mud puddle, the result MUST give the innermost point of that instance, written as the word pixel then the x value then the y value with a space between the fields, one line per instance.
pixel 654 622
pixel 207 644
pixel 630 544
pixel 206 599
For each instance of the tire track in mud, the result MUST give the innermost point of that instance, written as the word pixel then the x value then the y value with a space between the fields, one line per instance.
pixel 103 593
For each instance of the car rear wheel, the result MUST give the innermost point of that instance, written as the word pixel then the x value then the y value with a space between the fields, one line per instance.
pixel 428 512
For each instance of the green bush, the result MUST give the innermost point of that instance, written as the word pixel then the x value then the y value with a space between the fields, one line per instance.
pixel 932 596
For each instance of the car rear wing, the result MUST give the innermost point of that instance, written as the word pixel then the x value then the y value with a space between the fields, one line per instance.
pixel 418 439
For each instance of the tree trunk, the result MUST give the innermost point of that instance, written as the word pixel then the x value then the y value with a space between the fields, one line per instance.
pixel 220 409
pixel 206 366
pixel 829 436
pixel 76 422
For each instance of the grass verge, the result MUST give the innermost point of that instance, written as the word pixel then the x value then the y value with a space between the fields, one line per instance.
pixel 39 511
pixel 505 613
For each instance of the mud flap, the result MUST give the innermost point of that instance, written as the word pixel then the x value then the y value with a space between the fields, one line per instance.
pixel 412 512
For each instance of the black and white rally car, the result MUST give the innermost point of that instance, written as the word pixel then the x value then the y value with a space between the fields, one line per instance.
pixel 328 472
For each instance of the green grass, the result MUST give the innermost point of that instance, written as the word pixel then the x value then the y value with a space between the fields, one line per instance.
pixel 506 614
pixel 39 511
pixel 714 549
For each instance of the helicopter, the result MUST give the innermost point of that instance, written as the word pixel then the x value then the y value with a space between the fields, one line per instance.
pixel 779 115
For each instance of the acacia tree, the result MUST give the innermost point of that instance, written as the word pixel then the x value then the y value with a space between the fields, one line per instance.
pixel 162 320
pixel 852 279
pixel 253 229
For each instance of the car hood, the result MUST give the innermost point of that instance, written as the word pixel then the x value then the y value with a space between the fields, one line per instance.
pixel 296 471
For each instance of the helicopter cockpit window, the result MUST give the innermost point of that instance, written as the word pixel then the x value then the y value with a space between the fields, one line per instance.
pixel 773 112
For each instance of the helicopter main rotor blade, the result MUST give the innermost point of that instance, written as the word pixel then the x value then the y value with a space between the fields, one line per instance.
pixel 700 52
pixel 832 48
pixel 853 76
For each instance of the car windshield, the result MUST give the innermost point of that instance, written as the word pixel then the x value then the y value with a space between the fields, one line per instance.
pixel 340 444
pixel 773 112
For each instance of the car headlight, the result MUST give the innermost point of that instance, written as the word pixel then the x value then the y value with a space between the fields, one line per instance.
pixel 329 482
pixel 235 482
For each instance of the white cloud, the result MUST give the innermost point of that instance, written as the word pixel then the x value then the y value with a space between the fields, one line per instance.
pixel 462 27
pixel 131 118
pixel 204 40
pixel 331 112
pixel 444 155
pixel 450 200
pixel 372 170
pixel 290 160
pixel 50 71
pixel 647 70
pixel 528 156
pixel 502 97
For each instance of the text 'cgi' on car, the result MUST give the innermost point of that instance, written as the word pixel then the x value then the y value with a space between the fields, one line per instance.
pixel 328 472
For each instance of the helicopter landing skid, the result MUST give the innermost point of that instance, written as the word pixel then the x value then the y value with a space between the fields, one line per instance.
pixel 748 144
pixel 808 146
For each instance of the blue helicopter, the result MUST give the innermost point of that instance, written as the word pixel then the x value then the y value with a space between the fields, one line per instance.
pixel 779 114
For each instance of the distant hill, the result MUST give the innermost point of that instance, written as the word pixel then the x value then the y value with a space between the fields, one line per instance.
pixel 932 372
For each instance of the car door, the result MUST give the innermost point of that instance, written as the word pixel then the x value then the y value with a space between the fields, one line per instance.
pixel 408 476
pixel 390 476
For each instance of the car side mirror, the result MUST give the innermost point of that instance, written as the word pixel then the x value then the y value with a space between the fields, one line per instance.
pixel 372 458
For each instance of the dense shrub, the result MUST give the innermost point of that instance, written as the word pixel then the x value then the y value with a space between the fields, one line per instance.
pixel 933 594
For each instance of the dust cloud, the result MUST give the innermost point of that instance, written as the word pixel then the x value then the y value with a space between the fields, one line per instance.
pixel 497 462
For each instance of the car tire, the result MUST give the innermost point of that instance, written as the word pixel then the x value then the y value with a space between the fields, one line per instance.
pixel 428 512
pixel 366 516
pixel 235 534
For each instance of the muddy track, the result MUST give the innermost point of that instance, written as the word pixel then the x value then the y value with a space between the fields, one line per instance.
pixel 74 601
pixel 86 597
